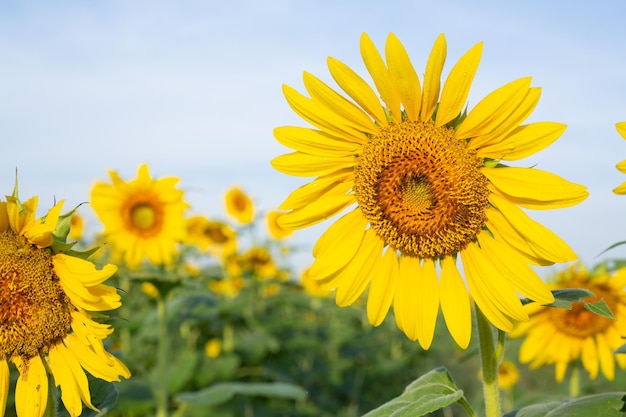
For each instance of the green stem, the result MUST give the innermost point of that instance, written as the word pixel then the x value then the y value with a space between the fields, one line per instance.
pixel 162 393
pixel 574 380
pixel 489 362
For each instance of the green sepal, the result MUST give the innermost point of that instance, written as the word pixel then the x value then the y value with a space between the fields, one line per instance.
pixel 599 308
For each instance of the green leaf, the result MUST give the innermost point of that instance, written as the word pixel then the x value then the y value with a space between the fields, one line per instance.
pixel 563 298
pixel 600 405
pixel 103 396
pixel 600 308
pixel 223 392
pixel 623 242
pixel 432 391
pixel 621 349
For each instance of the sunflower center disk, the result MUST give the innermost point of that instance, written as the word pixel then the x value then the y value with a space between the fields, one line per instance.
pixel 34 310
pixel 143 216
pixel 580 322
pixel 421 189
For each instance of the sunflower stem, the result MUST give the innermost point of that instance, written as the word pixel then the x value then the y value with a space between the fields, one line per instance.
pixel 162 393
pixel 489 362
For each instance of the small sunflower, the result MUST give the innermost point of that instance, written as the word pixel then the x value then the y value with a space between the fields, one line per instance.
pixel 508 375
pixel 429 188
pixel 142 218
pixel 214 237
pixel 560 336
pixel 239 205
pixel 50 307
pixel 621 129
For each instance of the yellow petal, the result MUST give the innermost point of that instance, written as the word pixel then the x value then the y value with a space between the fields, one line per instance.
pixel 31 390
pixel 80 271
pixel 621 189
pixel 457 85
pixel 543 243
pixel 4 385
pixel 348 111
pixel 524 141
pixel 358 273
pixel 358 89
pixel 383 287
pixel 315 212
pixel 621 129
pixel 69 375
pixel 108 368
pixel 321 116
pixel 559 370
pixel 427 301
pixel 606 355
pixel 455 303
pixel 304 165
pixel 404 306
pixel 535 189
pixel 495 298
pixel 314 142
pixel 513 268
pixel 4 219
pixel 378 70
pixel 590 357
pixel 493 110
pixel 404 77
pixel 40 232
pixel 338 245
pixel 336 183
pixel 432 77
pixel 621 166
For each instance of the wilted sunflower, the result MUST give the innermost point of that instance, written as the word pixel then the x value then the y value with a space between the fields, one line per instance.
pixel 49 298
pixel 429 188
pixel 621 129
pixel 141 218
pixel 239 205
pixel 560 336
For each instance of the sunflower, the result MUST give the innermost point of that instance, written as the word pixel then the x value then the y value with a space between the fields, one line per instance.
pixel 560 336
pixel 429 187
pixel 621 129
pixel 239 205
pixel 77 227
pixel 142 218
pixel 50 305
pixel 214 237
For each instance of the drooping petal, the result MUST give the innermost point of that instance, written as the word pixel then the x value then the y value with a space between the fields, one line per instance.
pixel 382 79
pixel 108 368
pixel 315 212
pixel 304 165
pixel 338 244
pixel 358 89
pixel 333 184
pixel 535 189
pixel 427 303
pixel 383 287
pixel 493 110
pixel 404 307
pixel 589 357
pixel 81 272
pixel 4 385
pixel 457 85
pixel 31 390
pixel 621 129
pixel 524 141
pixel 404 77
pixel 455 303
pixel 69 375
pixel 432 78
pixel 605 355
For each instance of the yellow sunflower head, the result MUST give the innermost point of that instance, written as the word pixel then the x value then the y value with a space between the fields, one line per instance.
pixel 215 237
pixel 51 299
pixel 427 186
pixel 621 129
pixel 142 218
pixel 560 336
pixel 274 228
pixel 259 262
pixel 239 205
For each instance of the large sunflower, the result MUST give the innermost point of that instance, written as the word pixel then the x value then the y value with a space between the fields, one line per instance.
pixel 429 188
pixel 48 303
pixel 142 218
pixel 621 129
pixel 560 336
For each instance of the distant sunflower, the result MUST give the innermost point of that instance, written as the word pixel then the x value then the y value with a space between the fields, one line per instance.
pixel 239 205
pixel 77 227
pixel 215 237
pixel 621 129
pixel 142 218
pixel 429 188
pixel 560 336
pixel 50 307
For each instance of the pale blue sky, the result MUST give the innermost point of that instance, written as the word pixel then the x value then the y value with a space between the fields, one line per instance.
pixel 193 88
